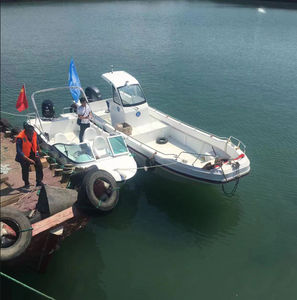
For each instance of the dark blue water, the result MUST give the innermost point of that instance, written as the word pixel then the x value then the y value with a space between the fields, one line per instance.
pixel 223 67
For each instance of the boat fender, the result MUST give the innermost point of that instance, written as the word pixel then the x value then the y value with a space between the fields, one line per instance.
pixel 5 125
pixel 15 130
pixel 18 222
pixel 76 178
pixel 161 140
pixel 101 189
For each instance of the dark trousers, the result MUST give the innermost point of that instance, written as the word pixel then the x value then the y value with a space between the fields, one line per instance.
pixel 38 169
pixel 83 127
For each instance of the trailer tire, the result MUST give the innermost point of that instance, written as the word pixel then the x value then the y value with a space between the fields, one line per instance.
pixel 101 189
pixel 21 225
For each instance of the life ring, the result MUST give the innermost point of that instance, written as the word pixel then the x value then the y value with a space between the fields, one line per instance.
pixel 18 224
pixel 161 140
pixel 101 189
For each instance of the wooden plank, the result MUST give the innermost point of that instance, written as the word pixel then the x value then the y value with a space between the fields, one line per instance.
pixel 9 200
pixel 52 221
pixel 3 179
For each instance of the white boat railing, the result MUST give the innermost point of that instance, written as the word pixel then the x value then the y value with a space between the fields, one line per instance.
pixel 31 116
pixel 240 145
pixel 51 90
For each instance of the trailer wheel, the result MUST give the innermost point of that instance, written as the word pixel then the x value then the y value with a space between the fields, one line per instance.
pixel 101 190
pixel 19 242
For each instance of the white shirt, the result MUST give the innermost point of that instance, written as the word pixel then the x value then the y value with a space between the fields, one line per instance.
pixel 85 112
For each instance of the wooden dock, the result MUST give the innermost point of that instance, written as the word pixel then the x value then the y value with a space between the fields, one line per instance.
pixel 48 233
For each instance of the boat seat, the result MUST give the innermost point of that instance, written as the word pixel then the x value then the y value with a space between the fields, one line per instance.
pixel 90 134
pixel 100 147
pixel 60 138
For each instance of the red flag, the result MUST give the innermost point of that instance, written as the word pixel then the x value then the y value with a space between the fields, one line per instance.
pixel 22 102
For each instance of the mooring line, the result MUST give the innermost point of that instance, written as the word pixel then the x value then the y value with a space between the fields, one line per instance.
pixel 16 115
pixel 26 286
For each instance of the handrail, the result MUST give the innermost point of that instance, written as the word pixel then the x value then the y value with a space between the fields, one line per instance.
pixel 239 143
pixel 50 90
pixel 31 115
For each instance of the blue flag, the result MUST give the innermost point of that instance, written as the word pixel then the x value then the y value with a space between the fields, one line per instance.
pixel 73 80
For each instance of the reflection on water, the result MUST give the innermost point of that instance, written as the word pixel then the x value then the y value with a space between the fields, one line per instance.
pixel 200 209
pixel 166 209
pixel 76 265
pixel 222 67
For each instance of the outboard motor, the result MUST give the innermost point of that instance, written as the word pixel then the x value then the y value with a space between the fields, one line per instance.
pixel 48 109
pixel 93 94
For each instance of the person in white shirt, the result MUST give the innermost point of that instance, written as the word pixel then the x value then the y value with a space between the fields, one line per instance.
pixel 84 114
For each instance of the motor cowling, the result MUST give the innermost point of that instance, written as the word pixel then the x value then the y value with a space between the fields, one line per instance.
pixel 93 94
pixel 48 109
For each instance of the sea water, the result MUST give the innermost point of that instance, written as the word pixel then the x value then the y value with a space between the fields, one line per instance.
pixel 225 67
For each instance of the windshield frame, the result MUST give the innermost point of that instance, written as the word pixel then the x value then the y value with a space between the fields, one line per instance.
pixel 111 148
pixel 134 104
pixel 74 161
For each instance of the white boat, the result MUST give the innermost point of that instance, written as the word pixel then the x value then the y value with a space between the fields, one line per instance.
pixel 163 142
pixel 60 136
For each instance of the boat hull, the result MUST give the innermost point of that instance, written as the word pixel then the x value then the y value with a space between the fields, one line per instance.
pixel 151 161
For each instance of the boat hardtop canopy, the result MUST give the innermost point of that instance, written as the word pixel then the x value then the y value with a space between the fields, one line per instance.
pixel 119 78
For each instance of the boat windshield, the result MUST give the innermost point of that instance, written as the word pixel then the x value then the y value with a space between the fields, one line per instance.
pixel 117 145
pixel 79 153
pixel 131 95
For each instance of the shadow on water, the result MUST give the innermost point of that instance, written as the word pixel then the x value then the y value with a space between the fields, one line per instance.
pixel 200 211
pixel 74 262
pixel 279 4
pixel 123 214
pixel 198 208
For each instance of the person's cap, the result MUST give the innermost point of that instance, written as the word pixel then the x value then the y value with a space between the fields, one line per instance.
pixel 28 127
pixel 83 100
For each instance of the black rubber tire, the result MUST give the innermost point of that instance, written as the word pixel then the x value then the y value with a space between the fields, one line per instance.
pixel 112 193
pixel 161 140
pixel 5 124
pixel 15 130
pixel 21 225
pixel 76 178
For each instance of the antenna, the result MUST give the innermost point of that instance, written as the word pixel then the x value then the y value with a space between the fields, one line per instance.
pixel 111 68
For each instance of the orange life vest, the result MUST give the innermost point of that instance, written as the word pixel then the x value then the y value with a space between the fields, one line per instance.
pixel 27 145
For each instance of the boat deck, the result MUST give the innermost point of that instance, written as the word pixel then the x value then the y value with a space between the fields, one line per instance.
pixel 174 149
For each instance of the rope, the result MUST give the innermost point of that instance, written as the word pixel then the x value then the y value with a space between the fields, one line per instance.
pixel 148 167
pixel 230 194
pixel 16 115
pixel 26 286
pixel 24 230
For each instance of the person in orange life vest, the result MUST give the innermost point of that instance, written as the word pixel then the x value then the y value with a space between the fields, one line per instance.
pixel 27 153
